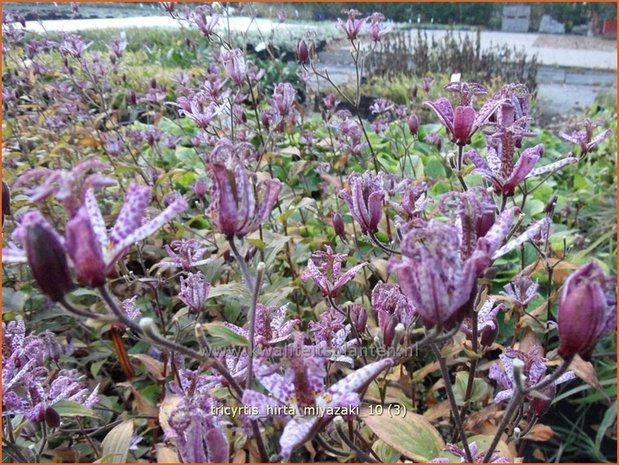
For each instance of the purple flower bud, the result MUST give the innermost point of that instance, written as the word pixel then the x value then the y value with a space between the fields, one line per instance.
pixel 234 61
pixel 413 124
pixel 338 225
pixel 303 52
pixel 52 418
pixel 48 261
pixel 388 329
pixel 540 406
pixel 84 250
pixel 132 98
pixel 200 188
pixel 235 208
pixel 584 314
pixel 365 201
pixel 6 200
pixel 358 317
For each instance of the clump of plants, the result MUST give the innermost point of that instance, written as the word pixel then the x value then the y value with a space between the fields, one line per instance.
pixel 206 272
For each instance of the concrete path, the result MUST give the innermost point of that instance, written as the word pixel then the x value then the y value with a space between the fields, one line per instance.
pixel 547 55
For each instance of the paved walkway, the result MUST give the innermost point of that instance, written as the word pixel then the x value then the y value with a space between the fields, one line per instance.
pixel 553 55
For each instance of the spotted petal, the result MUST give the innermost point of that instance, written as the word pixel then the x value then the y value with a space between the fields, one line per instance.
pixel 358 379
pixel 552 167
pixel 132 212
pixel 297 431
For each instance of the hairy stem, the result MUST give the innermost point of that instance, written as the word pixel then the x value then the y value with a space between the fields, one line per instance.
pixel 452 401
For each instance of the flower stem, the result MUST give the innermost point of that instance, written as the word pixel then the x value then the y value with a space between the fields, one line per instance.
pixel 517 400
pixel 381 246
pixel 252 324
pixel 113 306
pixel 242 264
pixel 452 402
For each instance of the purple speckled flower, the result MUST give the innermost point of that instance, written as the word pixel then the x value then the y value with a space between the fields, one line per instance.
pixel 435 277
pixel 521 290
pixel 584 138
pixel 29 385
pixel 199 434
pixel 68 186
pixel 302 386
pixel 271 325
pixel 390 304
pixel 236 67
pixel 236 209
pixel 353 26
pixel 365 200
pixel 194 291
pixel 505 176
pixel 185 254
pixel 487 322
pixel 534 372
pixel 463 121
pixel 325 269
pixel 331 333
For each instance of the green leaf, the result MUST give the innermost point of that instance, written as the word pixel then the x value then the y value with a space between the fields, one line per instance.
pixel 229 289
pixel 411 435
pixel 480 388
pixel 224 336
pixel 435 169
pixel 115 445
pixel 385 452
pixel 610 417
pixel 69 408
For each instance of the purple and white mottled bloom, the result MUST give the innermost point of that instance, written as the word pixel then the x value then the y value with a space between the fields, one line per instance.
pixel 271 325
pixel 194 291
pixel 236 208
pixel 92 250
pixel 113 144
pixel 534 371
pixel 390 304
pixel 236 67
pixel 353 26
pixel 365 200
pixel 463 121
pixel 435 277
pixel 325 269
pixel 331 334
pixel 206 23
pixel 199 433
pixel 73 45
pixel 30 386
pixel 199 108
pixel 584 138
pixel 487 323
pixel 131 309
pixel 521 290
pixel 504 175
pixel 478 456
pixel 185 254
pixel 68 186
pixel 302 386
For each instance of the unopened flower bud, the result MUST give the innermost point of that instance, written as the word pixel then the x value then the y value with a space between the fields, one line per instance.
pixel 549 209
pixel 338 225
pixel 358 317
pixel 489 334
pixel 6 200
pixel 413 124
pixel 302 52
pixel 389 331
pixel 539 404
pixel 48 262
pixel 584 315
pixel 132 98
pixel 52 418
